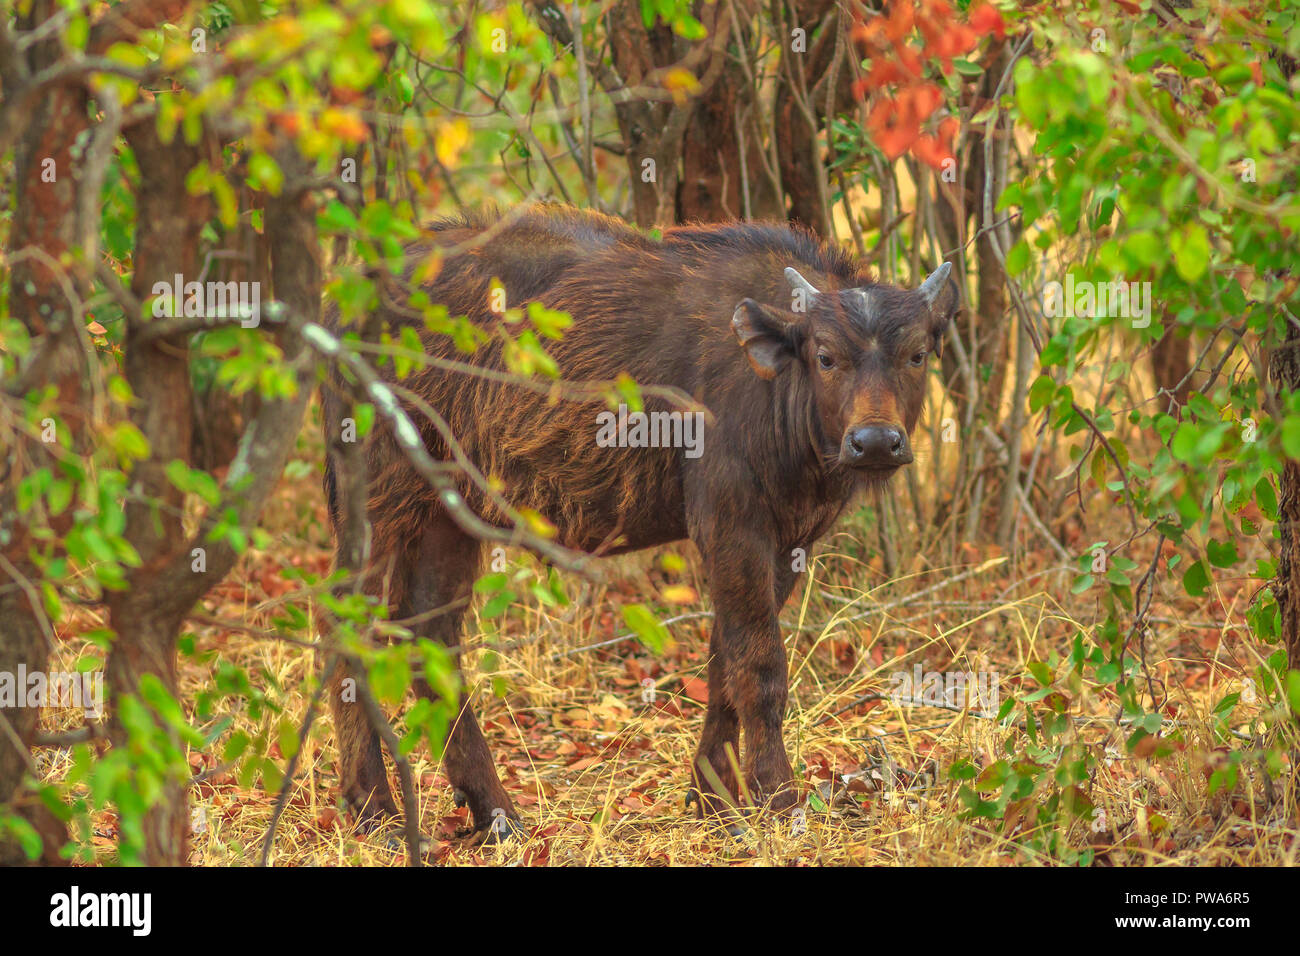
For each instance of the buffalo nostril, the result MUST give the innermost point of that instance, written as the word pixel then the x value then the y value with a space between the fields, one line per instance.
pixel 899 449
pixel 876 446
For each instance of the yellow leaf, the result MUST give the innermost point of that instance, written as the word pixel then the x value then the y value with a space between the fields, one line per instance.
pixel 537 524
pixel 345 124
pixel 452 139
pixel 680 594
pixel 673 563
pixel 680 82
pixel 428 269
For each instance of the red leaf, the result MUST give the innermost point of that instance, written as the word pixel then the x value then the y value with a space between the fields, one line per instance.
pixel 985 18
pixel 930 151
pixel 886 130
pixel 882 73
pixel 901 18
pixel 696 689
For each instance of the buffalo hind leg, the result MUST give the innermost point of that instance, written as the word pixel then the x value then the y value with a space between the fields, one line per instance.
pixel 441 586
pixel 362 775
pixel 361 762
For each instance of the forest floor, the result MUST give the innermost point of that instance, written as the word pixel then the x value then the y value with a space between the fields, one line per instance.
pixel 597 764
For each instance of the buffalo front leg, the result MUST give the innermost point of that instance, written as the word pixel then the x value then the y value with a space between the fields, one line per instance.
pixel 713 775
pixel 441 586
pixel 757 679
pixel 747 640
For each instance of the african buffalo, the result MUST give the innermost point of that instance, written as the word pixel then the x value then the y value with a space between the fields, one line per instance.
pixel 814 377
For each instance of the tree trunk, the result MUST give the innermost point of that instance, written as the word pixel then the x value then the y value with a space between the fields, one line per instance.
pixel 716 185
pixel 651 131
pixel 660 139
pixel 148 615
pixel 1285 371
pixel 144 617
pixel 219 417
pixel 988 325
pixel 802 90
pixel 710 187
pixel 1171 365
pixel 44 234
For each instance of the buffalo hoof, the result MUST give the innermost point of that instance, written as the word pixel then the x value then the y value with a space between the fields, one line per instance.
pixel 372 813
pixel 738 838
pixel 501 829
pixel 370 823
pixel 393 839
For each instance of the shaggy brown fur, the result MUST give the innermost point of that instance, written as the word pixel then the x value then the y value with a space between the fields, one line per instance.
pixel 799 397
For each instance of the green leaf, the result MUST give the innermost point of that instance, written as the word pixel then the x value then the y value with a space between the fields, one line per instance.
pixel 1055 352
pixel 1191 249
pixel 491 583
pixel 1018 258
pixel 235 746
pixel 1291 436
pixel 1266 498
pixel 497 605
pixel 24 833
pixel 1041 393
pixel 1185 440
pixel 1196 579
pixel 337 217
pixel 59 496
pixel 646 627
pixel 1222 555
pixel 265 173
pixel 287 736
pixel 364 413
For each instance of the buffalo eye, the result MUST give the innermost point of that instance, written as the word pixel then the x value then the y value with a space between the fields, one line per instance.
pixel 825 361
pixel 918 358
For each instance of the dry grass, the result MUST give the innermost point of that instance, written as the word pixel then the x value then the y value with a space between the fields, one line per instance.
pixel 600 776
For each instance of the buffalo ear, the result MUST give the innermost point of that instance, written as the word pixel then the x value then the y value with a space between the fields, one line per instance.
pixel 769 341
